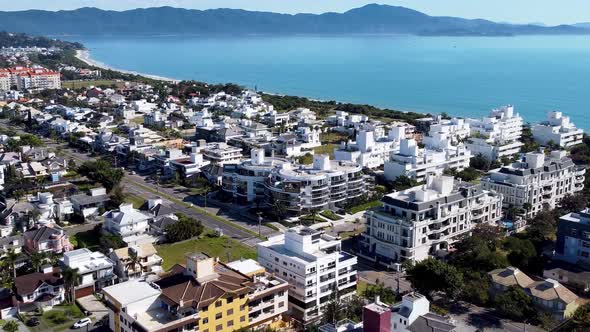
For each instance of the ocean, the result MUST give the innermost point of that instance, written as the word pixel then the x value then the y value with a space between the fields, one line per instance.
pixel 462 76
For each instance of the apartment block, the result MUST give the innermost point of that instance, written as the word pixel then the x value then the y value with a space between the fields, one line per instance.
pixel 497 135
pixel 323 185
pixel 424 221
pixel 314 266
pixel 558 129
pixel 416 163
pixel 573 237
pixel 536 181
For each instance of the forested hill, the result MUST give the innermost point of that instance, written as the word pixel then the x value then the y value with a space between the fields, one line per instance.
pixel 370 19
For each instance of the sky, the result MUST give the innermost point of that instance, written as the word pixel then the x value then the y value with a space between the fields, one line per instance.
pixel 550 12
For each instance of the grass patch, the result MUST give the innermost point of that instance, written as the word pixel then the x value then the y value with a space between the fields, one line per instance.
pixel 363 207
pixel 85 84
pixel 361 287
pixel 60 318
pixel 137 120
pixel 333 137
pixel 330 215
pixel 223 247
pixel 135 200
pixel 312 219
pixel 325 149
pixel 89 239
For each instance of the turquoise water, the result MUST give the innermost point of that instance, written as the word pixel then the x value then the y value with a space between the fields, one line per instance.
pixel 464 76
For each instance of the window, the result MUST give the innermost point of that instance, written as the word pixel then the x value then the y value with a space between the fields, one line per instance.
pixel 230 312
pixel 242 307
pixel 218 304
pixel 230 323
pixel 218 315
pixel 205 320
pixel 219 327
pixel 204 309
pixel 230 299
pixel 281 304
pixel 243 319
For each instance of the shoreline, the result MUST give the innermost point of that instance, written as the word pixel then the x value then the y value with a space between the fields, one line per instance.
pixel 84 56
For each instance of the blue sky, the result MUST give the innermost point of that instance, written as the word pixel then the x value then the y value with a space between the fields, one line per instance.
pixel 517 11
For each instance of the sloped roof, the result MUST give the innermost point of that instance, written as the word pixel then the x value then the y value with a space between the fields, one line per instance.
pixel 41 234
pixel 178 286
pixel 552 290
pixel 27 284
pixel 510 276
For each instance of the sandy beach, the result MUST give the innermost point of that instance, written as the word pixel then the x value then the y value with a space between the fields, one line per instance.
pixel 84 55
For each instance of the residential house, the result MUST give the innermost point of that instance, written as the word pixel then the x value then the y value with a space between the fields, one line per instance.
pixel 88 205
pixel 559 130
pixel 131 224
pixel 47 239
pixel 43 289
pixel 147 261
pixel 95 270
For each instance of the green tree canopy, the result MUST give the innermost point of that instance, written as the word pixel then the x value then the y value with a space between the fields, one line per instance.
pixel 432 275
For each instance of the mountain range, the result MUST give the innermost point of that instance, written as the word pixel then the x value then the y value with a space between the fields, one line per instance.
pixel 370 19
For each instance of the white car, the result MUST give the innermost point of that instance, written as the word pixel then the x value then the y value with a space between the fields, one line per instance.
pixel 82 322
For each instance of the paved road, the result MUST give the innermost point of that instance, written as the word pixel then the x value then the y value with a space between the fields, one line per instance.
pixel 368 273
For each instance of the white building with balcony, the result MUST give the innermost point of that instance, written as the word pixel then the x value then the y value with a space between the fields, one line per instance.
pixel 426 220
pixel 146 262
pixel 536 181
pixel 129 223
pixel 222 154
pixel 246 181
pixel 497 135
pixel 447 132
pixel 323 185
pixel 313 265
pixel 416 163
pixel 558 129
pixel 369 151
pixel 95 270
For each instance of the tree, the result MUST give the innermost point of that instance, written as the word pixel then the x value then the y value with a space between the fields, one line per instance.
pixel 432 275
pixel 581 318
pixel 10 326
pixel 521 252
pixel 37 260
pixel 133 262
pixel 184 229
pixel 514 303
pixel 71 280
pixel 573 203
pixel 480 162
pixel 476 289
pixel 101 171
pixel 117 196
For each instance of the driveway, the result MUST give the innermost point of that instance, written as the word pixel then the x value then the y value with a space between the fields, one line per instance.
pixel 96 309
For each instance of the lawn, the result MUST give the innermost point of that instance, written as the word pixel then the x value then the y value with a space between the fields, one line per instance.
pixel 222 247
pixel 361 287
pixel 89 239
pixel 325 149
pixel 330 215
pixel 333 137
pixel 137 120
pixel 135 200
pixel 363 207
pixel 60 318
pixel 85 84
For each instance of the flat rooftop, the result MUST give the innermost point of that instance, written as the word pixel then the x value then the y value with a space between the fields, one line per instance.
pixel 131 291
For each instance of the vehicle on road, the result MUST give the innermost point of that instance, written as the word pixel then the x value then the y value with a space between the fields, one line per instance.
pixel 81 323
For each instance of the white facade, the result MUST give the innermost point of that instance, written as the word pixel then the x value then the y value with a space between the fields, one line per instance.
pixel 94 268
pixel 222 154
pixel 559 130
pixel 131 224
pixel 497 135
pixel 416 223
pixel 447 132
pixel 417 163
pixel 314 266
pixel 536 181
pixel 324 185
pixel 246 181
pixel 369 151
pixel 573 237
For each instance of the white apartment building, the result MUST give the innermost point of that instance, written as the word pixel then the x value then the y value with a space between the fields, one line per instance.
pixel 369 151
pixel 497 135
pixel 447 132
pixel 131 224
pixel 559 130
pixel 222 154
pixel 94 268
pixel 416 163
pixel 246 181
pixel 314 266
pixel 4 81
pixel 323 185
pixel 422 221
pixel 536 181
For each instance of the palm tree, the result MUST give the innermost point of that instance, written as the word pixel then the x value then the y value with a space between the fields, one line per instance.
pixel 134 260
pixel 10 326
pixel 37 260
pixel 71 279
pixel 10 259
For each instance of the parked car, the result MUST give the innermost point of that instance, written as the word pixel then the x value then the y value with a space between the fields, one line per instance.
pixel 81 323
pixel 33 321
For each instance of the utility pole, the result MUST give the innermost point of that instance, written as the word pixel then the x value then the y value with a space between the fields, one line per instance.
pixel 259 223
